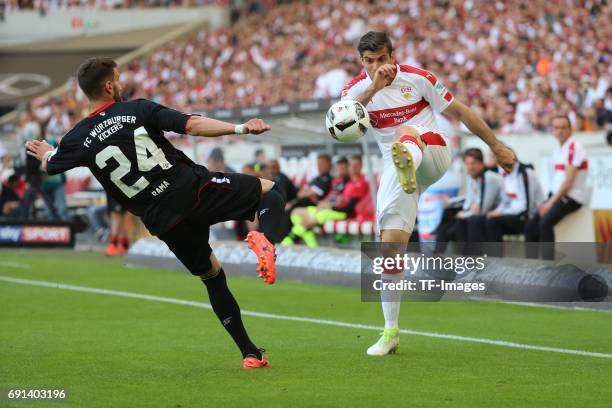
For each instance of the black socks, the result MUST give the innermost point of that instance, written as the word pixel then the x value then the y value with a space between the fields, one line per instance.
pixel 270 212
pixel 227 310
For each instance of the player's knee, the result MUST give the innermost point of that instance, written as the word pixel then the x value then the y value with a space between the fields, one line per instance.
pixel 407 130
pixel 266 185
pixel 490 222
pixel 273 198
pixel 210 273
pixel 546 222
pixel 409 133
pixel 209 268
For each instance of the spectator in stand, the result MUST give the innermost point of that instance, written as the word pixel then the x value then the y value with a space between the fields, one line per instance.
pixel 341 177
pixel 286 187
pixel 568 189
pixel 306 218
pixel 319 186
pixel 521 194
pixel 54 194
pixel 313 192
pixel 249 169
pixel 6 166
pixel 120 225
pixel 216 161
pixel 260 156
pixel 11 205
pixel 482 195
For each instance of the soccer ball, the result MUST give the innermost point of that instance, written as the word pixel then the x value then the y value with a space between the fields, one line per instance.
pixel 347 121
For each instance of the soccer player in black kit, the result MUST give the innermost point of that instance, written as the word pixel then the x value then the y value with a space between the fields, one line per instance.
pixel 123 145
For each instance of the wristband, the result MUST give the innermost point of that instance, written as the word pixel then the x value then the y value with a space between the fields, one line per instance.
pixel 240 130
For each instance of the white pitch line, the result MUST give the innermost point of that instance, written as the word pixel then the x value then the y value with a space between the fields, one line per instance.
pixel 203 305
pixel 15 265
pixel 539 305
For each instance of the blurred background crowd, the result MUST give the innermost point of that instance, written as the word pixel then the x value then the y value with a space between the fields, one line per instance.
pixel 515 63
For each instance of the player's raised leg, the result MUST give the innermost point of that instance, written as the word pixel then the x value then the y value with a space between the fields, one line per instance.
pixel 406 153
pixel 227 310
pixel 270 213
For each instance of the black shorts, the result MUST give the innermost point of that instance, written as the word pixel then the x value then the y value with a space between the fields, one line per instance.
pixel 113 205
pixel 227 196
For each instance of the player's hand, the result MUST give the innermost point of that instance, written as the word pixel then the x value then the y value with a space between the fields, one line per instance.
pixel 256 126
pixel 38 148
pixel 384 75
pixel 504 156
pixel 544 208
pixel 475 209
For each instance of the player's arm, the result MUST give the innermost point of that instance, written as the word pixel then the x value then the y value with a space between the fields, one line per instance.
pixel 207 127
pixel 167 119
pixel 505 156
pixel 41 150
pixel 383 76
pixel 66 156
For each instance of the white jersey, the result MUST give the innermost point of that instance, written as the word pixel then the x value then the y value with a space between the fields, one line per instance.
pixel 571 153
pixel 411 99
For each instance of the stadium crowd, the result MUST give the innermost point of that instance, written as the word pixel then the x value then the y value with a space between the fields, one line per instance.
pixel 11 5
pixel 515 63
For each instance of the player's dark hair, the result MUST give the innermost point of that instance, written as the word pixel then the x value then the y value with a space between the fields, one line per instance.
pixel 559 116
pixel 324 156
pixel 474 153
pixel 342 160
pixel 93 73
pixel 374 41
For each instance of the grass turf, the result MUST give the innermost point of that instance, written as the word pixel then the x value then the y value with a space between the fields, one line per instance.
pixel 117 352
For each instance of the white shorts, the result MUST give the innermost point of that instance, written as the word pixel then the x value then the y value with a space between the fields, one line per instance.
pixel 394 208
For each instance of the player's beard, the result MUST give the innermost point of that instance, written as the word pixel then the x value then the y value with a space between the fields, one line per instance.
pixel 117 94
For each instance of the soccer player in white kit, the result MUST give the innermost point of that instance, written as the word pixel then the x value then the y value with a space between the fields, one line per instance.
pixel 401 101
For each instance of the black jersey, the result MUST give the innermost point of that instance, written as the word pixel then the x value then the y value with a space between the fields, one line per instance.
pixel 123 145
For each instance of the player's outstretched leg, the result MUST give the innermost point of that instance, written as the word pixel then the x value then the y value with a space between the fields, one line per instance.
pixel 270 213
pixel 407 155
pixel 227 310
pixel 393 242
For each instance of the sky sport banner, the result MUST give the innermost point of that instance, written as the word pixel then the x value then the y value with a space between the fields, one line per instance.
pixel 36 234
pixel 516 271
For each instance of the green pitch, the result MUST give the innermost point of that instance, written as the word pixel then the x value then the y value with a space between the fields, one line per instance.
pixel 110 351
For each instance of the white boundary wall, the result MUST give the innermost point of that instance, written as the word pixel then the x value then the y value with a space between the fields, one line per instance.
pixel 26 26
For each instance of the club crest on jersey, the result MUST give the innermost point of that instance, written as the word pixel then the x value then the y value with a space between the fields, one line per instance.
pixel 406 92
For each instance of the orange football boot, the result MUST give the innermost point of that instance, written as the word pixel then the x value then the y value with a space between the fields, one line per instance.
pixel 252 361
pixel 265 253
pixel 112 250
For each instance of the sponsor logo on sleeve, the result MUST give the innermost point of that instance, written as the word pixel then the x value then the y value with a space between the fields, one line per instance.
pixel 443 92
